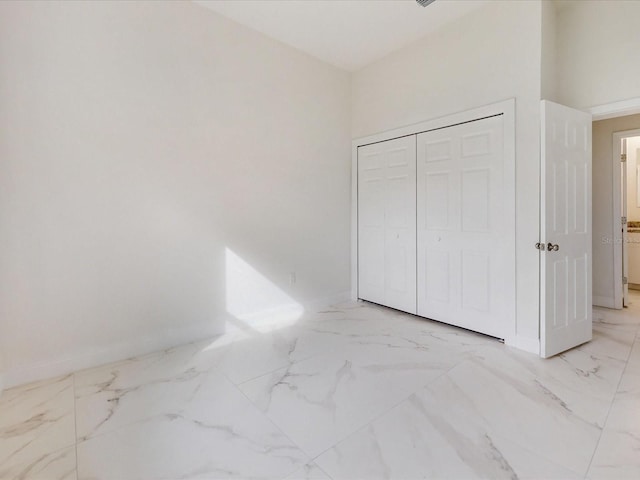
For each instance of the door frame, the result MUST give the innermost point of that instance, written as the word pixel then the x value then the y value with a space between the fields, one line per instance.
pixel 618 298
pixel 623 108
pixel 505 108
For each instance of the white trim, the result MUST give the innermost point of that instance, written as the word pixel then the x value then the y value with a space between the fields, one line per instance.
pixel 329 300
pixel 354 221
pixel 506 108
pixel 498 108
pixel 616 109
pixel 136 347
pixel 509 144
pixel 617 217
pixel 607 302
pixel 107 353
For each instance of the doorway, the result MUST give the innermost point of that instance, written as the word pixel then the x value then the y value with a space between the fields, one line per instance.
pixel 627 146
pixel 609 232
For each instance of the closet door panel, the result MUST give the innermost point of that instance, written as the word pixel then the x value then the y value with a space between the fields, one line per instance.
pixel 461 267
pixel 438 214
pixel 387 223
pixel 371 224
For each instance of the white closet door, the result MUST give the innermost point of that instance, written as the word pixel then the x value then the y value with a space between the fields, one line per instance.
pixel 463 247
pixel 387 223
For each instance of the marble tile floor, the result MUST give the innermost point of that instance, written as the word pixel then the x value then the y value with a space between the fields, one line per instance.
pixel 356 391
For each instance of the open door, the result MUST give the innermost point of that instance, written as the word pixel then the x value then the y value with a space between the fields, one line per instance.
pixel 565 214
pixel 624 200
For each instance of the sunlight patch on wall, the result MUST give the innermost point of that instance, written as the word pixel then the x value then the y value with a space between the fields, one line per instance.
pixel 254 299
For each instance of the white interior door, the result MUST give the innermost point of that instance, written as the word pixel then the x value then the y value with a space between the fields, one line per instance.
pixel 565 277
pixel 387 223
pixel 624 202
pixel 464 248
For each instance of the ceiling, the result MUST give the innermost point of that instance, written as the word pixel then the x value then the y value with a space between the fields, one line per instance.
pixel 346 33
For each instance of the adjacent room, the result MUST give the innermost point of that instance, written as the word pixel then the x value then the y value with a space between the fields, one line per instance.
pixel 319 239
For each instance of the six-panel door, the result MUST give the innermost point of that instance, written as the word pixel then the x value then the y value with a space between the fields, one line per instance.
pixel 565 290
pixel 461 238
pixel 387 223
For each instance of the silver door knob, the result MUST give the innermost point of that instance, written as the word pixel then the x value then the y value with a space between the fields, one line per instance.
pixel 553 248
pixel 540 246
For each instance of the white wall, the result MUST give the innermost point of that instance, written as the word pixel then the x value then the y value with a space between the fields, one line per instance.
pixel 633 210
pixel 549 56
pixel 492 54
pixel 598 44
pixel 604 235
pixel 140 141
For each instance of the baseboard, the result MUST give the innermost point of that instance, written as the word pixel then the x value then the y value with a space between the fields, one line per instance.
pixel 328 300
pixel 134 347
pixel 607 302
pixel 531 345
pixel 96 356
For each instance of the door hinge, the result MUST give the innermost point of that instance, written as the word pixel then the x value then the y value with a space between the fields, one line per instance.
pixel 625 280
pixel 623 157
pixel 624 220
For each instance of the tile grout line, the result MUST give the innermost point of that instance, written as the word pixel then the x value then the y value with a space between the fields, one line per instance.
pixel 213 368
pixel 393 407
pixel 300 360
pixel 288 365
pixel 322 469
pixel 270 372
pixel 292 363
pixel 277 427
pixel 313 458
pixel 604 424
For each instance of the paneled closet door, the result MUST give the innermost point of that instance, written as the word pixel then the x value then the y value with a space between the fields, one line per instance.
pixel 461 229
pixel 387 223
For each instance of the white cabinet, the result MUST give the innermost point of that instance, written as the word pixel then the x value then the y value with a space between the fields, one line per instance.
pixel 633 247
